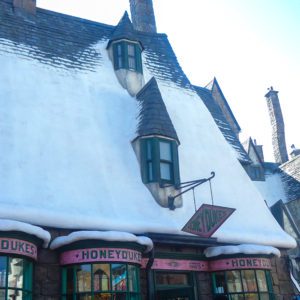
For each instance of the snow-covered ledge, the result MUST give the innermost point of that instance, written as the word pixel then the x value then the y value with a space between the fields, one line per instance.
pixel 243 249
pixel 11 225
pixel 112 236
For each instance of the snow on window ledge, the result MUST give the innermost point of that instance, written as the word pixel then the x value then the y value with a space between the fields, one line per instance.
pixel 11 225
pixel 112 236
pixel 242 249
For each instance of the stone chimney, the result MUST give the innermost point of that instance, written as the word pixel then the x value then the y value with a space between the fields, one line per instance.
pixel 142 15
pixel 278 136
pixel 25 6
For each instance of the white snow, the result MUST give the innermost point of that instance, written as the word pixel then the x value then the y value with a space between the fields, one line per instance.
pixel 67 160
pixel 271 189
pixel 243 249
pixel 112 236
pixel 11 225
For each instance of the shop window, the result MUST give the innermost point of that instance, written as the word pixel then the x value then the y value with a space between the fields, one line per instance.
pixel 127 55
pixel 243 285
pixel 174 285
pixel 159 161
pixel 15 278
pixel 101 281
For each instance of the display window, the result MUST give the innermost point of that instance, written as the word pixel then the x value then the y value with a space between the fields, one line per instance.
pixel 15 278
pixel 101 281
pixel 243 285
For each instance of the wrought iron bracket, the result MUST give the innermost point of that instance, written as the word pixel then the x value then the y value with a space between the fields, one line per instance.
pixel 188 186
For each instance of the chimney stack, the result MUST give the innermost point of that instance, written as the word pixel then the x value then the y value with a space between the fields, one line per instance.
pixel 25 6
pixel 142 15
pixel 278 135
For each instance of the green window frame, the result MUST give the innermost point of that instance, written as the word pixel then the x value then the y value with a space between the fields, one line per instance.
pixel 243 284
pixel 101 281
pixel 127 55
pixel 15 278
pixel 159 161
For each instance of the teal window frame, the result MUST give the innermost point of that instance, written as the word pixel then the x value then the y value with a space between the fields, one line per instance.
pixel 92 294
pixel 243 293
pixel 124 58
pixel 151 161
pixel 27 273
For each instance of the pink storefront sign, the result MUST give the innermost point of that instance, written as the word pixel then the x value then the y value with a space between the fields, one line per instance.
pixel 20 247
pixel 240 263
pixel 100 255
pixel 177 264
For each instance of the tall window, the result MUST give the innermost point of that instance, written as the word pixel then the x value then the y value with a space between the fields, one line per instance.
pixel 244 284
pixel 127 55
pixel 101 281
pixel 159 161
pixel 15 278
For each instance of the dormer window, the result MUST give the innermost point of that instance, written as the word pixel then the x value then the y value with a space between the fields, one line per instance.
pixel 159 159
pixel 127 55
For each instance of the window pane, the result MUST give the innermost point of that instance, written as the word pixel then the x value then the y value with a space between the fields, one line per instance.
pixel 220 283
pixel 149 152
pixel 234 281
pixel 119 49
pixel 249 283
pixel 261 280
pixel 118 277
pixel 15 272
pixel 2 294
pixel 131 63
pixel 133 278
pixel 165 151
pixel 14 295
pixel 119 296
pixel 2 272
pixel 120 62
pixel 103 296
pixel 165 171
pixel 264 296
pixel 236 297
pixel 172 279
pixel 131 50
pixel 83 297
pixel 251 297
pixel 83 274
pixel 101 275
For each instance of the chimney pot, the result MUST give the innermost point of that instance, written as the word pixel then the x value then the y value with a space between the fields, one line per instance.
pixel 25 6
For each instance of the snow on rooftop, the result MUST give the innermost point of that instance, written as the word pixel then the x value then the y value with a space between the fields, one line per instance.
pixel 112 236
pixel 11 225
pixel 67 160
pixel 243 249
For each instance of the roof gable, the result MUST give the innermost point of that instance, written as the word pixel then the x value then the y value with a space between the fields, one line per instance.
pixel 250 148
pixel 218 95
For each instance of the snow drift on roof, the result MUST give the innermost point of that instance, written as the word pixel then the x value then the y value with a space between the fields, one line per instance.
pixel 243 249
pixel 111 236
pixel 11 225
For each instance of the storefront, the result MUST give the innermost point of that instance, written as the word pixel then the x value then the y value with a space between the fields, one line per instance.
pixel 18 253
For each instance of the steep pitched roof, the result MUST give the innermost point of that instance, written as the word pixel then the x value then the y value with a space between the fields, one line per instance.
pixel 153 116
pixel 124 30
pixel 214 86
pixel 216 112
pixel 248 145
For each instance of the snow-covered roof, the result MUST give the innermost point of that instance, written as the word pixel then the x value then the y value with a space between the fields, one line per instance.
pixel 11 225
pixel 66 130
pixel 242 249
pixel 111 236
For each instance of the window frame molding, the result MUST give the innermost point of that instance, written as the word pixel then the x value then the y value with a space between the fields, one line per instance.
pixel 121 60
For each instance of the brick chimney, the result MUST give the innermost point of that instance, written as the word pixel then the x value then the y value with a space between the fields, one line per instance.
pixel 278 136
pixel 142 15
pixel 25 6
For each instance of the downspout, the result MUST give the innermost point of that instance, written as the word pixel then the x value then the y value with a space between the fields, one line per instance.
pixel 150 290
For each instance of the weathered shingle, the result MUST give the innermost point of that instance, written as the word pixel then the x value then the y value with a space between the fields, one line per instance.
pixel 153 116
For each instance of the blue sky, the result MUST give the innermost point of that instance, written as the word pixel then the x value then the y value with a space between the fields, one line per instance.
pixel 248 45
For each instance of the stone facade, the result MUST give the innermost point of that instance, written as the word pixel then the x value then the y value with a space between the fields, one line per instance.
pixel 142 15
pixel 277 123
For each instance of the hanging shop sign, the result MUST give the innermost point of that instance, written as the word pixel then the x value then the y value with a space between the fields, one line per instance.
pixel 100 255
pixel 19 247
pixel 240 264
pixel 207 219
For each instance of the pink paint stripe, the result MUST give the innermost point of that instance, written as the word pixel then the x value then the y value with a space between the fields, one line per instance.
pixel 20 247
pixel 100 255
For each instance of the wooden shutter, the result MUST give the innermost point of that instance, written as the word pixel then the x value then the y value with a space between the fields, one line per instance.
pixel 155 159
pixel 175 164
pixel 138 58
